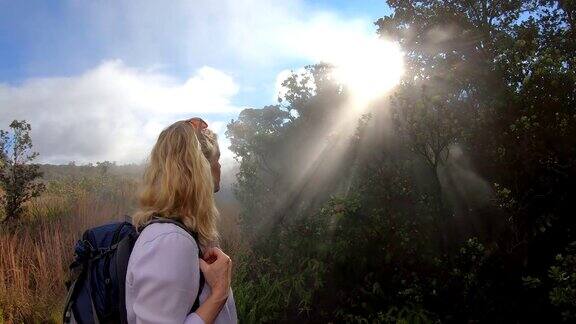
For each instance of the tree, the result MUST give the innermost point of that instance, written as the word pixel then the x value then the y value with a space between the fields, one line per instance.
pixel 17 175
pixel 286 152
pixel 104 167
pixel 254 138
pixel 428 126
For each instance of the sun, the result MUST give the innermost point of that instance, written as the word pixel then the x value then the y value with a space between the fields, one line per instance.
pixel 370 68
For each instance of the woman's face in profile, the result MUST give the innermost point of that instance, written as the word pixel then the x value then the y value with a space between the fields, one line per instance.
pixel 215 168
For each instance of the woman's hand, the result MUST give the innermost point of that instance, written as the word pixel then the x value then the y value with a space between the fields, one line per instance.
pixel 217 269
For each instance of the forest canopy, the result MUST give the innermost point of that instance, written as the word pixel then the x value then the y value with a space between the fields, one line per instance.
pixel 448 199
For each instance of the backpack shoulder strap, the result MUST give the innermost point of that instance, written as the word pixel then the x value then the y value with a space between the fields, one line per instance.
pixel 123 252
pixel 175 222
pixel 72 291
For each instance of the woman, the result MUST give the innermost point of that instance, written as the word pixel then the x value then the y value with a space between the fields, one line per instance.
pixel 163 276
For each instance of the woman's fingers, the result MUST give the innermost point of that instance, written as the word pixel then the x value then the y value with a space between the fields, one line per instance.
pixel 214 254
pixel 217 272
pixel 224 260
pixel 210 255
pixel 208 252
pixel 203 265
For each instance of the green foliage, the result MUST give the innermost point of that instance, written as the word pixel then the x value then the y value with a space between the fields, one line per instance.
pixel 264 290
pixel 427 122
pixel 404 315
pixel 252 137
pixel 560 283
pixel 17 175
pixel 389 205
pixel 504 197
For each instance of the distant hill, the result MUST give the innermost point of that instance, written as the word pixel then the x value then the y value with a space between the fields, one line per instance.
pixel 54 172
pixel 57 172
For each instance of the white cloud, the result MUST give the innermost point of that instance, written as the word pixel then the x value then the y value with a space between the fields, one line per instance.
pixel 235 33
pixel 265 32
pixel 113 112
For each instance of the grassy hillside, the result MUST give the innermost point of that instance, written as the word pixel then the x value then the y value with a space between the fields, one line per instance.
pixel 34 256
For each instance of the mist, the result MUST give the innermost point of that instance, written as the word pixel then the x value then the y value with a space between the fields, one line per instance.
pixel 397 162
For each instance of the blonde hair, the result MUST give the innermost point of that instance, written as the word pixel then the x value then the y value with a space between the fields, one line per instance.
pixel 178 181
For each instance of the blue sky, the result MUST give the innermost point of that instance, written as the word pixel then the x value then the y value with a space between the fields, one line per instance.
pixel 99 79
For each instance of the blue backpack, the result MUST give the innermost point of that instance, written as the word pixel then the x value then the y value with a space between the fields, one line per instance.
pixel 97 292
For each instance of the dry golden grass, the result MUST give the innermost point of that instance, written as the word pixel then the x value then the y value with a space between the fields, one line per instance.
pixel 32 270
pixel 34 258
pixel 229 227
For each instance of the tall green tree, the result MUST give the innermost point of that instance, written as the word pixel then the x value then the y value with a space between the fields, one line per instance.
pixel 17 175
pixel 282 165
